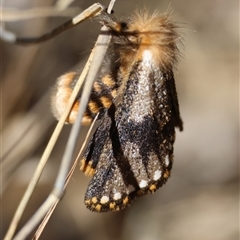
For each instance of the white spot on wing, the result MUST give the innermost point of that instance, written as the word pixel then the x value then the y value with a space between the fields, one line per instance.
pixel 157 175
pixel 143 184
pixel 104 199
pixel 167 160
pixel 117 196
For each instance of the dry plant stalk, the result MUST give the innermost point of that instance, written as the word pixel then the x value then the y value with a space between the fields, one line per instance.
pixel 50 212
pixel 56 193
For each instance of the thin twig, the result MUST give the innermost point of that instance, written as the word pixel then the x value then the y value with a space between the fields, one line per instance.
pixel 41 165
pixel 57 191
pixel 49 213
pixel 12 15
pixel 43 160
pixel 102 44
pixel 11 37
pixel 110 6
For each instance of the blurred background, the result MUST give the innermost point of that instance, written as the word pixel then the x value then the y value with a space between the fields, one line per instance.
pixel 201 199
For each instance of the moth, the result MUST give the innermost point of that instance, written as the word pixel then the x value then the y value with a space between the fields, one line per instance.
pixel 131 152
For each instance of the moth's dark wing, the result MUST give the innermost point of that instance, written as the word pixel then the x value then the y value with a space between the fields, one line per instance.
pixel 91 155
pixel 145 126
pixel 113 182
pixel 175 106
pixel 133 161
pixel 135 155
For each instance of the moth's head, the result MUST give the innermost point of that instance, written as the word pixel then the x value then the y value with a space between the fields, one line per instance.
pixel 155 32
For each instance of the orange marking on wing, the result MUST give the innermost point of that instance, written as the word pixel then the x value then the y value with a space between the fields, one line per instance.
pixel 97 87
pixel 107 102
pixel 114 93
pixel 108 81
pixel 93 107
pixel 61 97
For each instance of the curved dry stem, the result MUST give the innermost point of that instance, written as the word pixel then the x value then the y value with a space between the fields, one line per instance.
pixel 49 213
pixel 12 14
pixel 53 198
pixel 44 158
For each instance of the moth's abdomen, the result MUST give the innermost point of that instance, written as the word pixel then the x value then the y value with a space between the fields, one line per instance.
pixel 104 90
